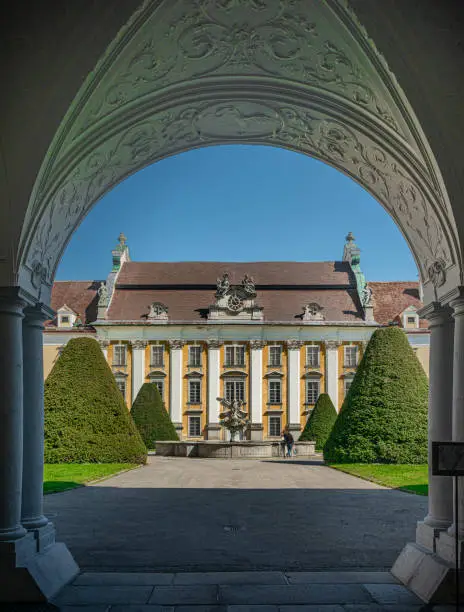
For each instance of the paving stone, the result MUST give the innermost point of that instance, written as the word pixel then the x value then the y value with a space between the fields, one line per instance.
pixel 204 594
pixel 102 608
pixel 311 608
pixel 258 608
pixel 123 579
pixel 140 608
pixel 104 595
pixel 293 594
pixel 392 594
pixel 379 608
pixel 340 578
pixel 230 578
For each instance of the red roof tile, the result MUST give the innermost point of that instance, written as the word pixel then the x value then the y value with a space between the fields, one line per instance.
pixel 390 299
pixel 81 296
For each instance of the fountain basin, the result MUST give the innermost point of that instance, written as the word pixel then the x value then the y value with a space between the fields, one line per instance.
pixel 244 449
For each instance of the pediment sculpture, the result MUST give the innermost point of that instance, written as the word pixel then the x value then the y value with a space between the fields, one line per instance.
pixel 235 300
pixel 157 311
pixel 313 312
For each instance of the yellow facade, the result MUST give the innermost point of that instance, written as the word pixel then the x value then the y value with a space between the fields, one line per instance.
pixel 51 352
pixel 188 408
pixel 268 409
pixel 126 370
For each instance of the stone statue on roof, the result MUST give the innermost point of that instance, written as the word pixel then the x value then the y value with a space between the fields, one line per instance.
pixel 366 296
pixel 103 295
pixel 248 284
pixel 223 284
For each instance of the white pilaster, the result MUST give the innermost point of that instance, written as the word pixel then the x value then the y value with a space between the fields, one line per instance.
pixel 293 385
pixel 138 366
pixel 104 344
pixel 176 386
pixel 256 395
pixel 213 408
pixel 440 497
pixel 331 371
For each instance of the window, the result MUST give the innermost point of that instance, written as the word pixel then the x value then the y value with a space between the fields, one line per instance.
pixel 194 392
pixel 312 356
pixel 194 356
pixel 275 392
pixel 160 384
pixel 234 390
pixel 235 356
pixel 312 391
pixel 157 355
pixel 121 382
pixel 351 356
pixel 274 426
pixel 194 426
pixel 275 355
pixel 120 355
pixel 64 320
pixel 348 382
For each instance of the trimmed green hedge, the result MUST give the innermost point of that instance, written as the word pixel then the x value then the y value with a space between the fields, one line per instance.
pixel 384 416
pixel 86 419
pixel 151 417
pixel 320 422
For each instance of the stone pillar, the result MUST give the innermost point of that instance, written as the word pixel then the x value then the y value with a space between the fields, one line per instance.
pixel 33 416
pixel 11 417
pixel 293 386
pixel 256 390
pixel 26 575
pixel 331 371
pixel 440 498
pixel 104 344
pixel 214 408
pixel 138 366
pixel 176 384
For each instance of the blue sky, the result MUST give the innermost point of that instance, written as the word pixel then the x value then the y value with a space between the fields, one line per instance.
pixel 238 203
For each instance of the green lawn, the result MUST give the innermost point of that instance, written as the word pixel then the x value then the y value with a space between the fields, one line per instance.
pixel 62 476
pixel 412 478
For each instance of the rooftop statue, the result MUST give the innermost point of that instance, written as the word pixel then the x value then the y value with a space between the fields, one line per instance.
pixel 103 295
pixel 366 296
pixel 223 284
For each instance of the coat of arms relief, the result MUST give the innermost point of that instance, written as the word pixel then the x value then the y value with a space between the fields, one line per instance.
pixel 235 301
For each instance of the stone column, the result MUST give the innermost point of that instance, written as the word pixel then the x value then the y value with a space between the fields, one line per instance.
pixel 214 408
pixel 440 498
pixel 256 390
pixel 104 344
pixel 138 366
pixel 176 384
pixel 293 385
pixel 331 371
pixel 11 417
pixel 33 416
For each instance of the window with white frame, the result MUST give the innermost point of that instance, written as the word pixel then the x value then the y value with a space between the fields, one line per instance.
pixel 159 382
pixel 351 356
pixel 194 356
pixel 119 354
pixel 157 355
pixel 194 426
pixel 313 355
pixel 64 320
pixel 275 391
pixel 275 426
pixel 347 384
pixel 275 355
pixel 234 389
pixel 235 355
pixel 121 383
pixel 194 392
pixel 312 391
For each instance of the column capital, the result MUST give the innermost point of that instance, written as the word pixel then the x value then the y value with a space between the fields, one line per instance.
pixel 213 343
pixel 332 344
pixel 257 345
pixel 176 344
pixel 138 345
pixel 453 295
pixel 436 314
pixel 294 345
pixel 34 316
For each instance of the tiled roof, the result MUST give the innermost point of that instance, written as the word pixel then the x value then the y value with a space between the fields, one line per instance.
pixel 192 304
pixel 263 273
pixel 390 299
pixel 81 296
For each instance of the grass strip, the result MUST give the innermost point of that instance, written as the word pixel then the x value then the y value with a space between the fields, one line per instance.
pixel 406 477
pixel 63 476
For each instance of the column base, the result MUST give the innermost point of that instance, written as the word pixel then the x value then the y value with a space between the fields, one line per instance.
pixel 446 548
pixel 426 574
pixel 295 430
pixel 178 427
pixel 427 533
pixel 29 576
pixel 255 431
pixel 213 431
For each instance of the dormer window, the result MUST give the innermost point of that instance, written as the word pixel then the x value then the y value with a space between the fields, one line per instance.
pixel 65 317
pixel 410 318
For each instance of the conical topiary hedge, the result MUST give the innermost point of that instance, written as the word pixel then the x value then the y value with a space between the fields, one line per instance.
pixel 86 419
pixel 384 416
pixel 150 416
pixel 320 422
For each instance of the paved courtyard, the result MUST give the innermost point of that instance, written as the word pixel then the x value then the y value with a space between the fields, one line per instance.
pixel 201 515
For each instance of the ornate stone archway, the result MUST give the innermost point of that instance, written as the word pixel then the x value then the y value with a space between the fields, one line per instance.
pixel 288 73
pixel 182 74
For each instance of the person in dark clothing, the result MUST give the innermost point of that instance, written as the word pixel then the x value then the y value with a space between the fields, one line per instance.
pixel 289 442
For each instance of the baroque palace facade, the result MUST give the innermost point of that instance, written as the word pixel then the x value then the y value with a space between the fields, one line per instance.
pixel 274 334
